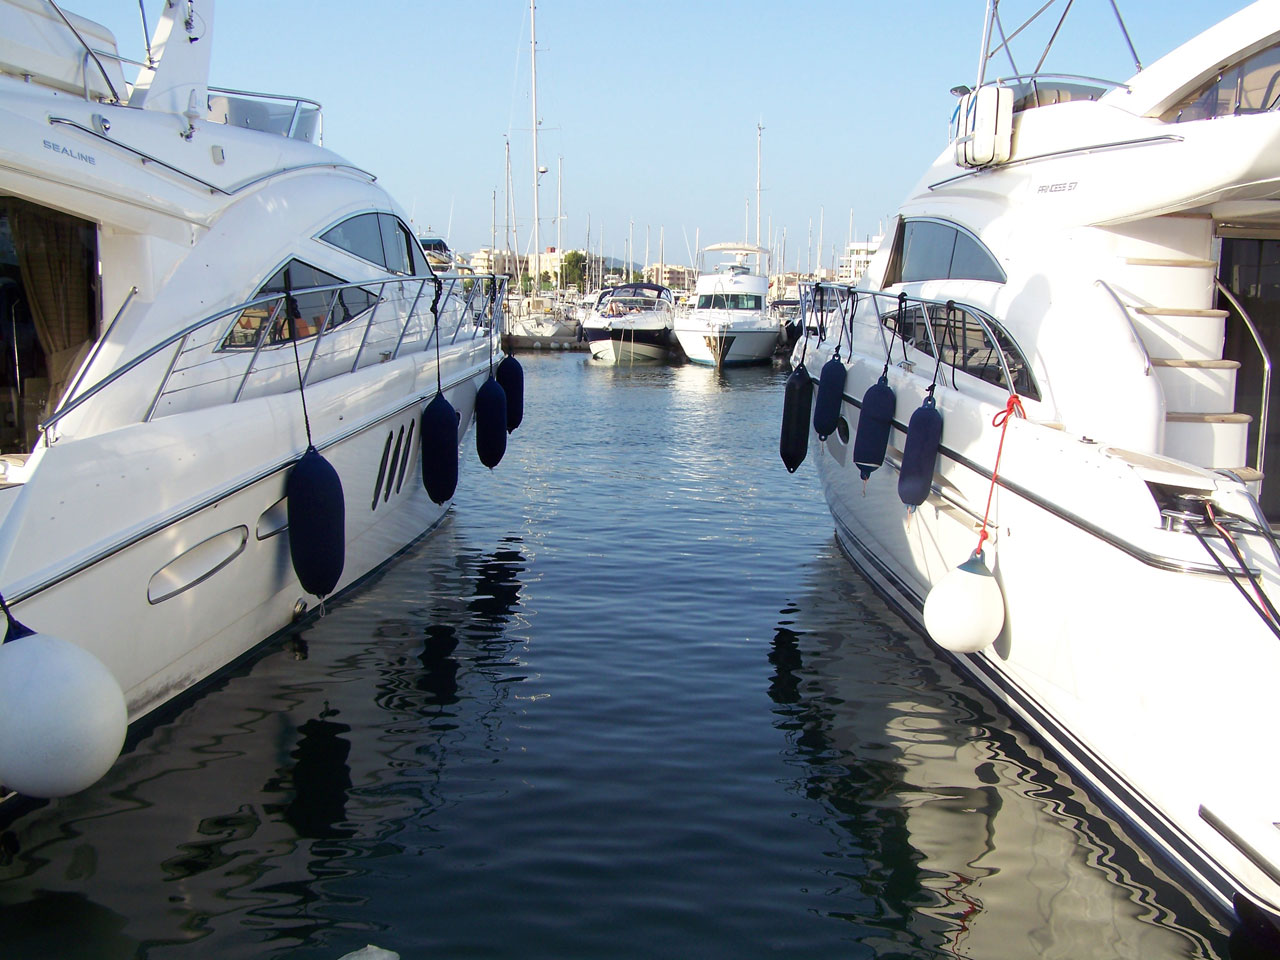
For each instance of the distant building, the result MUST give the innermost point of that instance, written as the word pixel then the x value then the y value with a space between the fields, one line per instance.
pixel 856 258
pixel 497 261
pixel 671 275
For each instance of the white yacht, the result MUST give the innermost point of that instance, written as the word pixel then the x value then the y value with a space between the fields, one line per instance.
pixel 630 322
pixel 729 321
pixel 195 293
pixel 1081 286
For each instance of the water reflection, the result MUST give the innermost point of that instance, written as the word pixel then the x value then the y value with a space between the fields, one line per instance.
pixel 355 718
pixel 947 828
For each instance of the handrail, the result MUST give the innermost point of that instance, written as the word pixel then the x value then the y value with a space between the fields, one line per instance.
pixel 872 295
pixel 1260 456
pixel 211 187
pixel 97 347
pixel 1137 337
pixel 276 301
pixel 1066 152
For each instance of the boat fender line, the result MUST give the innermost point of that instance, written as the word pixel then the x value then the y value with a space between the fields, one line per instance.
pixel 875 422
pixel 491 423
pixel 920 452
pixel 62 714
pixel 438 429
pixel 797 404
pixel 438 434
pixel 317 523
pixel 964 611
pixel 1258 601
pixel 511 376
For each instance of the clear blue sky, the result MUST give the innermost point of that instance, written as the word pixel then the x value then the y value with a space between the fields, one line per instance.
pixel 651 107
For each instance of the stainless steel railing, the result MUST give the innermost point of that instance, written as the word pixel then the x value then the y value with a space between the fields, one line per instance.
pixel 249 349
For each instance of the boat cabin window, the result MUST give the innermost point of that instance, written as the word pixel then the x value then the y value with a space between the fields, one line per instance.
pixel 1250 86
pixel 379 238
pixel 964 345
pixel 933 250
pixel 728 301
pixel 307 310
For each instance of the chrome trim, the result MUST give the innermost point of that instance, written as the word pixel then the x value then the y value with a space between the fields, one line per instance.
pixel 1114 145
pixel 1260 456
pixel 1137 337
pixel 212 188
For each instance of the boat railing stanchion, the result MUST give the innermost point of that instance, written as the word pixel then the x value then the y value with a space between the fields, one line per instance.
pixel 306 376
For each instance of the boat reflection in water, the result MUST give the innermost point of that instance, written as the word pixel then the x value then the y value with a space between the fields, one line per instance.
pixel 948 828
pixel 247 840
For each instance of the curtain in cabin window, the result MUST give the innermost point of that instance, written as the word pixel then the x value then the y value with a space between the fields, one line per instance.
pixel 57 259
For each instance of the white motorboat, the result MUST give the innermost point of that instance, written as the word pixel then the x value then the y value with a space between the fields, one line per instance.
pixel 195 294
pixel 630 322
pixel 729 322
pixel 1080 287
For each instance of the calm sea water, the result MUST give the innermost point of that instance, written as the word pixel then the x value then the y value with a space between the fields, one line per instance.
pixel 629 701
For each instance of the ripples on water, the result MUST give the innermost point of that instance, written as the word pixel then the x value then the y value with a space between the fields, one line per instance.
pixel 628 701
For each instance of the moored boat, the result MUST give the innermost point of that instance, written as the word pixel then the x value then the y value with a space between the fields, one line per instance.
pixel 205 300
pixel 1040 426
pixel 728 322
pixel 631 322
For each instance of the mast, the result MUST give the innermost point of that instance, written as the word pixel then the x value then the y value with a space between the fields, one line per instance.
pixel 537 171
pixel 759 131
pixel 559 217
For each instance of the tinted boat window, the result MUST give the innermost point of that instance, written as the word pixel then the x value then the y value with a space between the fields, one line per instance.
pixel 1250 86
pixel 931 250
pixel 396 244
pixel 308 310
pixel 965 345
pixel 360 235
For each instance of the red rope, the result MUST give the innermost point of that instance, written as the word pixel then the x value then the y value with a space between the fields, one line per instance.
pixel 1001 420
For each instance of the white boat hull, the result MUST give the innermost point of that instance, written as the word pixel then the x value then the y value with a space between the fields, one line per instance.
pixel 222 555
pixel 1143 696
pixel 724 346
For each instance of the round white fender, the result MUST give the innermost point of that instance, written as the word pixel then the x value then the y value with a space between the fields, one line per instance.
pixel 964 611
pixel 62 716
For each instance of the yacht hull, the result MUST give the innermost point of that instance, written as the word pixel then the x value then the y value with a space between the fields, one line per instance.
pixel 727 346
pixel 628 344
pixel 1120 648
pixel 166 591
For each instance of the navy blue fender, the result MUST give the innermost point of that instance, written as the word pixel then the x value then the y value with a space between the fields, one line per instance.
pixel 317 523
pixel 491 423
pixel 874 424
pixel 438 435
pixel 826 409
pixel 510 376
pixel 920 454
pixel 797 403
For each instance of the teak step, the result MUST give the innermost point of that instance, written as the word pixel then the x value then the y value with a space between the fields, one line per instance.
pixel 1179 312
pixel 1247 474
pixel 1195 364
pixel 1168 262
pixel 1173 416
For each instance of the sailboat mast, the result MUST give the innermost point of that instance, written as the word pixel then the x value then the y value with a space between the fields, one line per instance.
pixel 559 219
pixel 533 66
pixel 759 131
